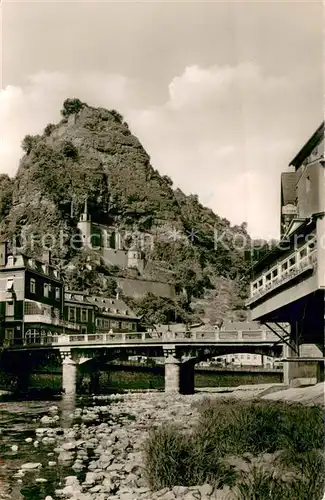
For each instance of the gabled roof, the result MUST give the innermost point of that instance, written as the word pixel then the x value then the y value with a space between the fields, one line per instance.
pixel 288 188
pixel 106 305
pixel 305 151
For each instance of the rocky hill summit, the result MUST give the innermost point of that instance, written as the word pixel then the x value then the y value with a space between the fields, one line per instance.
pixel 92 155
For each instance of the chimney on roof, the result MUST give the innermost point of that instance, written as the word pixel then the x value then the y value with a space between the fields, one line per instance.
pixel 46 257
pixel 3 253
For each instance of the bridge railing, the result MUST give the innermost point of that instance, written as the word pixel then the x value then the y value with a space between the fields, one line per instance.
pixel 104 338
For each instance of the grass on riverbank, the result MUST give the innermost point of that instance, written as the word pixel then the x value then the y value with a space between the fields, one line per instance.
pixel 291 435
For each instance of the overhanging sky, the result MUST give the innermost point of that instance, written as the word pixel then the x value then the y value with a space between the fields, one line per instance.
pixel 222 95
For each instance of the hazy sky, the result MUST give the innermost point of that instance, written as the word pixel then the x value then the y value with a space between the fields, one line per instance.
pixel 221 94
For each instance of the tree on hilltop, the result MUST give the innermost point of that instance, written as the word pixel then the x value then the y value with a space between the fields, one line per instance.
pixel 71 106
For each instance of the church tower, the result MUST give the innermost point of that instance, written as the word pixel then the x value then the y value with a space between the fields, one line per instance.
pixel 85 226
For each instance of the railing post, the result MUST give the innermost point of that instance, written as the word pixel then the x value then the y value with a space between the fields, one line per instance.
pixel 86 337
pixel 143 336
pixel 123 337
pixel 217 335
pixel 239 335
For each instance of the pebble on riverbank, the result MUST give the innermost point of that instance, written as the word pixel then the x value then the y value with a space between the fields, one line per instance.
pixel 110 451
pixel 107 442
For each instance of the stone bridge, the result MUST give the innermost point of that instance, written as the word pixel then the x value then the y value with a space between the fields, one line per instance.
pixel 180 349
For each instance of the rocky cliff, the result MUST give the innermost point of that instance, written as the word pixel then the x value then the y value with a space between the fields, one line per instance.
pixel 91 154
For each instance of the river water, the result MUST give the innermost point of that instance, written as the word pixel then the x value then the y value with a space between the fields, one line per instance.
pixel 18 422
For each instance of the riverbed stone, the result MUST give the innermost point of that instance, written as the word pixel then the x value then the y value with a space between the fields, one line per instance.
pixel 180 491
pixel 31 466
pixel 205 489
pixel 65 456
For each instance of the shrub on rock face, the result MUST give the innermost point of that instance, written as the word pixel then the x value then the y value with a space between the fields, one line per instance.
pixel 27 143
pixel 71 106
pixel 118 117
pixel 69 150
pixel 48 129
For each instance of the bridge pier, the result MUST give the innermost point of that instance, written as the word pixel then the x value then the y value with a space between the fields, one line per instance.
pixel 172 374
pixel 179 376
pixel 69 375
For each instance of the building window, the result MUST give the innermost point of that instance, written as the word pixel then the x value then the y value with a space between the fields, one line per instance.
pixel 84 318
pixel 57 293
pixel 274 273
pixel 83 330
pixel 311 245
pixel 303 253
pixel 72 314
pixel 10 309
pixel 46 290
pixel 32 286
pixel 10 285
pixel 133 326
pixel 284 266
pixel 292 261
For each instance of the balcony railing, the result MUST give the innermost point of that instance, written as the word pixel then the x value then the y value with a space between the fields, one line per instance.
pixel 189 337
pixel 284 271
pixel 49 320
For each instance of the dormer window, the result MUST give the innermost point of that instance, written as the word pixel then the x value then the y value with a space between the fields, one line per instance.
pixel 46 290
pixel 32 286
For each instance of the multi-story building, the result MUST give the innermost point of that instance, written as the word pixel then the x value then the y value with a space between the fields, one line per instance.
pixel 288 283
pixel 31 298
pixel 245 360
pixel 99 314
pixel 34 305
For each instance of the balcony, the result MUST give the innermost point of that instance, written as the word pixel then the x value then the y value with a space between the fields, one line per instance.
pixel 292 267
pixel 48 320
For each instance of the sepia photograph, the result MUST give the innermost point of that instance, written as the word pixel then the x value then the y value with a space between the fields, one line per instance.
pixel 162 250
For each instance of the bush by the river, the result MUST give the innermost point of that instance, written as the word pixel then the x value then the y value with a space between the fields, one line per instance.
pixel 262 450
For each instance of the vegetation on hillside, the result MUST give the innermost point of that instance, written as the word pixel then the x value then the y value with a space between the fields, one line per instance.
pixel 91 154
